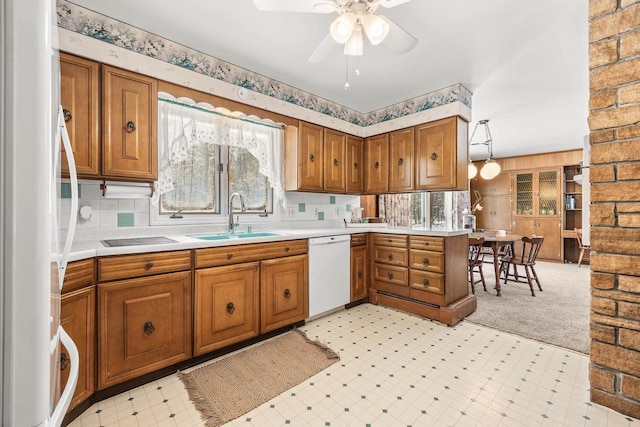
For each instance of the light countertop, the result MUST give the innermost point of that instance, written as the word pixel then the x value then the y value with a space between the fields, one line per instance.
pixel 92 248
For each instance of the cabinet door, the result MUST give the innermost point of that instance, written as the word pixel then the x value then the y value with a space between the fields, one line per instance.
pixel 129 117
pixel 353 164
pixel 549 228
pixel 283 292
pixel 401 160
pixel 77 317
pixel 79 93
pixel 143 325
pixel 334 164
pixel 496 213
pixel 226 306
pixel 436 145
pixel 310 160
pixel 548 192
pixel 376 164
pixel 358 272
pixel 501 184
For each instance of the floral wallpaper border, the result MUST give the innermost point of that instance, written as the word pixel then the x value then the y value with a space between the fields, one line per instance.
pixel 86 22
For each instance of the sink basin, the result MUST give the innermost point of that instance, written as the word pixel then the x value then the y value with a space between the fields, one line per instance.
pixel 228 236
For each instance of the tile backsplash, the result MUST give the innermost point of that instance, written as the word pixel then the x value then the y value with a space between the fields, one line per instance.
pixel 134 213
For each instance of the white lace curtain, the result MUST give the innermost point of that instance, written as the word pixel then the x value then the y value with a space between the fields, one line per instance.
pixel 395 209
pixel 184 124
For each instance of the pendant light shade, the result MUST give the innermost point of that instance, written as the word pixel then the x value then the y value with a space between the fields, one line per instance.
pixel 490 170
pixel 473 170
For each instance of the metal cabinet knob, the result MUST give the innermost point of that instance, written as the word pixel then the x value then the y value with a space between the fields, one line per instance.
pixel 148 265
pixel 400 161
pixel 66 114
pixel 230 308
pixel 425 261
pixel 312 157
pixel 287 293
pixel 434 156
pixel 390 257
pixel 64 361
pixel 359 274
pixel 425 282
pixel 390 275
pixel 129 127
pixel 376 165
pixel 148 328
pixel 335 162
pixel 229 256
pixel 355 165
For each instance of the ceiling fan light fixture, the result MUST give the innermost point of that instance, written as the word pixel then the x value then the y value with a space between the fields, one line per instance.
pixel 376 28
pixel 324 7
pixel 343 27
pixel 355 45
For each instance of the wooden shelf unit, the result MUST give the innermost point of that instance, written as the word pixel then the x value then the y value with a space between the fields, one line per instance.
pixel 572 209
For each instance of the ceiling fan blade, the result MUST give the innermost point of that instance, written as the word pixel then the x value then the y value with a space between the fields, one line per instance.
pixel 398 39
pixel 391 3
pixel 324 49
pixel 306 6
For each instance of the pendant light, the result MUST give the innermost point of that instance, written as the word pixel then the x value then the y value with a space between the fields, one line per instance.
pixel 491 168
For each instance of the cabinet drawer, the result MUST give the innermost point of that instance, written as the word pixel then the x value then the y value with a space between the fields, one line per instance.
pixel 128 266
pixel 427 281
pixel 235 254
pixel 358 239
pixel 395 240
pixel 391 288
pixel 78 274
pixel 427 242
pixel 391 274
pixel 427 260
pixel 391 256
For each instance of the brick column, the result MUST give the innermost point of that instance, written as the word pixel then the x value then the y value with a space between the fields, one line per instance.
pixel 614 119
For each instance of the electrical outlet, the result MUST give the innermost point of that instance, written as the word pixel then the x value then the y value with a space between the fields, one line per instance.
pixel 315 212
pixel 337 211
pixel 290 212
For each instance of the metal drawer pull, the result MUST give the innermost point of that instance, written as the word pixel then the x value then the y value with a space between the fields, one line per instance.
pixel 230 308
pixel 67 115
pixel 425 261
pixel 286 248
pixel 148 328
pixel 229 256
pixel 312 157
pixel 335 162
pixel 376 165
pixel 390 257
pixel 130 127
pixel 425 282
pixel 287 293
pixel 148 265
pixel 434 156
pixel 400 161
pixel 64 361
pixel 390 275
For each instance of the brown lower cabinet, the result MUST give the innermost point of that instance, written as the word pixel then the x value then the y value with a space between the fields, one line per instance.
pixel 359 276
pixel 425 275
pixel 144 324
pixel 283 292
pixel 226 302
pixel 77 317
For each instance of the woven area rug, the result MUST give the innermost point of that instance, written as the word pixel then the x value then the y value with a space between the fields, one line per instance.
pixel 559 315
pixel 236 384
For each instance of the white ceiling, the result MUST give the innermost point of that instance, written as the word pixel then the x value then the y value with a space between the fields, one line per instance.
pixel 526 62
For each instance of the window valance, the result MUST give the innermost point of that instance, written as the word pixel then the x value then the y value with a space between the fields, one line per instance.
pixel 185 124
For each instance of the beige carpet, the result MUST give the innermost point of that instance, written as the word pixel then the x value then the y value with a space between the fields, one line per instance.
pixel 236 384
pixel 559 315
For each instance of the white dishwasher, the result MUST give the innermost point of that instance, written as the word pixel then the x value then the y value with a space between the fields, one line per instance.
pixel 329 271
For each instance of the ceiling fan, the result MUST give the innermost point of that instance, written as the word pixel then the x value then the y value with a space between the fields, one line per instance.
pixel 355 17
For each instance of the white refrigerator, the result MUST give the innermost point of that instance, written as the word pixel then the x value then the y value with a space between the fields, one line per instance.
pixel 32 242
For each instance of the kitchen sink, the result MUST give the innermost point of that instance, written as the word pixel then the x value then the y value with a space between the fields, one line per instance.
pixel 237 235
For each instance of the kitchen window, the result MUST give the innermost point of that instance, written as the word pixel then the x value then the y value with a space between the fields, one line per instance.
pixel 205 156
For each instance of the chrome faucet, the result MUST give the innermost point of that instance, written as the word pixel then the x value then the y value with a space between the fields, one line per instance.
pixel 233 225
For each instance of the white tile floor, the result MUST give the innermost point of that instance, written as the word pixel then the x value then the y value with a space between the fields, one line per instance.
pixel 400 370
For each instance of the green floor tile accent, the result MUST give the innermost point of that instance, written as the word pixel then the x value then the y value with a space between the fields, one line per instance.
pixel 125 219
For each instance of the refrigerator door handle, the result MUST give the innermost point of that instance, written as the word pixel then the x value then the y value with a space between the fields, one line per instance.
pixel 73 176
pixel 67 394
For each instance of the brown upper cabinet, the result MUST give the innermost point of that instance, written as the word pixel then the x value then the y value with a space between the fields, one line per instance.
pixel 354 164
pixel 119 140
pixel 401 160
pixel 376 164
pixel 129 117
pixel 442 155
pixel 79 79
pixel 334 161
